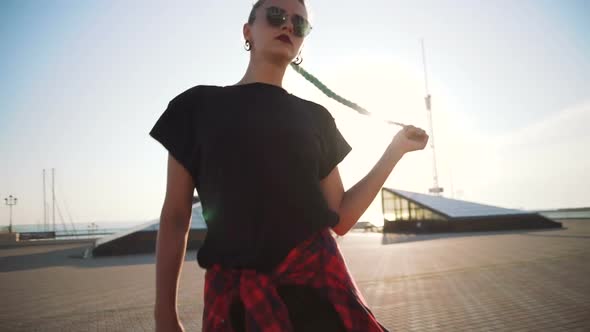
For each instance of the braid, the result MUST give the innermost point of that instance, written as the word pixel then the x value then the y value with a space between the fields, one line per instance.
pixel 325 90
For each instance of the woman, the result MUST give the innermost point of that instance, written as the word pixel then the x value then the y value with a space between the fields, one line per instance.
pixel 264 163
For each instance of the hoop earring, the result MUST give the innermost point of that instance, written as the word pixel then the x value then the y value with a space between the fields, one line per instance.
pixel 298 59
pixel 247 46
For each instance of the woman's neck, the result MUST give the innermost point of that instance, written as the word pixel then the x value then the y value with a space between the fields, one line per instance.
pixel 265 72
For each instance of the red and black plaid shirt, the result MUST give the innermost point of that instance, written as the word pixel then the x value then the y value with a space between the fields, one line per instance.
pixel 316 262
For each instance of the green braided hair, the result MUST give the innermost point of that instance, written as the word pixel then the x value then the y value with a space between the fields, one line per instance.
pixel 325 90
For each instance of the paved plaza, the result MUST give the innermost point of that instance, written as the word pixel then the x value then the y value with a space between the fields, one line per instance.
pixel 502 281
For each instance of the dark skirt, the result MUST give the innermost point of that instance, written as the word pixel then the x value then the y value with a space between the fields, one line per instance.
pixel 307 311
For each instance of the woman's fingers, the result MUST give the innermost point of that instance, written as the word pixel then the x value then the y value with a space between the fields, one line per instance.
pixel 414 132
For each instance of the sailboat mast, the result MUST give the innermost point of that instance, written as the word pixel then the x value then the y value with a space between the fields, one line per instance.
pixel 53 194
pixel 44 205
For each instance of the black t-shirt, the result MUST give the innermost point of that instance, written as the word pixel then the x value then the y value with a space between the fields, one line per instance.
pixel 256 154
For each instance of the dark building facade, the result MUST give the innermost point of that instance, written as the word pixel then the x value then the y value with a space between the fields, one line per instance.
pixel 142 238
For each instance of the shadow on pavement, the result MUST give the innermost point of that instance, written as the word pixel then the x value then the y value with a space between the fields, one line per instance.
pixel 393 238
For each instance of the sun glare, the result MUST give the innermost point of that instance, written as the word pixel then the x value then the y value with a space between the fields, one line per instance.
pixel 390 91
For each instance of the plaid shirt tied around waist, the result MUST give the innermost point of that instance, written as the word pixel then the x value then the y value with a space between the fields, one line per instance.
pixel 316 262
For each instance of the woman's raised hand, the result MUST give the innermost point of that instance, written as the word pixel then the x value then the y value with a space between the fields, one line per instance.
pixel 409 139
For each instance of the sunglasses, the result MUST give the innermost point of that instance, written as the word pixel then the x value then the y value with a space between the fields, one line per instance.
pixel 276 17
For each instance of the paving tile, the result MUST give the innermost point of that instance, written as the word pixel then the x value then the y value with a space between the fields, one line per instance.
pixel 505 281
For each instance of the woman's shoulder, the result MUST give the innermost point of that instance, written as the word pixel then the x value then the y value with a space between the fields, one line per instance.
pixel 197 94
pixel 316 109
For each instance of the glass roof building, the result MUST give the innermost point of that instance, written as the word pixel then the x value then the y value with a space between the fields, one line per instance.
pixel 405 211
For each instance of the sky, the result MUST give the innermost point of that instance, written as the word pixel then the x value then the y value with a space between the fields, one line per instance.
pixel 83 82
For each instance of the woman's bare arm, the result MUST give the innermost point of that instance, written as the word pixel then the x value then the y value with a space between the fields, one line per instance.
pixel 351 205
pixel 171 243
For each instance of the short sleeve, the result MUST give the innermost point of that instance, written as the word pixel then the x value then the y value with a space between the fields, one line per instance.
pixel 175 130
pixel 334 146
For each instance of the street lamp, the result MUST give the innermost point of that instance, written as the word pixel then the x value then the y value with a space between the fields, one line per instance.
pixel 10 201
